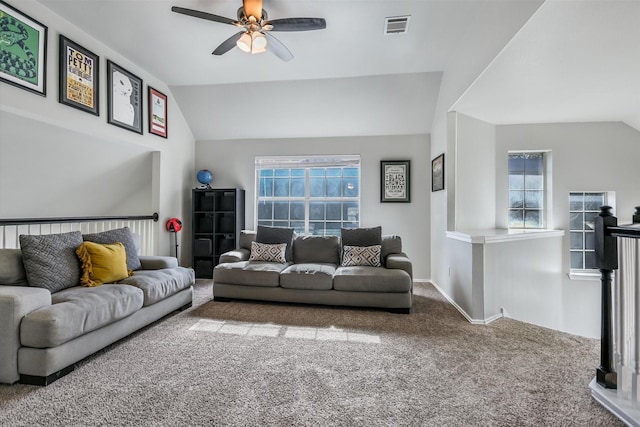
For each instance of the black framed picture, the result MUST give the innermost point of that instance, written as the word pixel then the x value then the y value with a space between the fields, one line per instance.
pixel 157 112
pixel 79 77
pixel 395 180
pixel 437 173
pixel 124 98
pixel 23 56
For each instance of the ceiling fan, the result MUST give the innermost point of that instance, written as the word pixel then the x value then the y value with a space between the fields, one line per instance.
pixel 255 36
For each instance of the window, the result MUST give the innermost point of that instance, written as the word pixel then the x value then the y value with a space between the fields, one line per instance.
pixel 526 190
pixel 584 207
pixel 314 195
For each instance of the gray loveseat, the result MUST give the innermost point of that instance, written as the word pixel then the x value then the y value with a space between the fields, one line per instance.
pixel 50 322
pixel 313 273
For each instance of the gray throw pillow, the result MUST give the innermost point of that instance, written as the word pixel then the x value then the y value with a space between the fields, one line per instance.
pixel 51 261
pixel 274 235
pixel 122 235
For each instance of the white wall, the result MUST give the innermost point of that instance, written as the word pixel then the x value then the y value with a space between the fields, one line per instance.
pixel 232 164
pixel 76 162
pixel 586 157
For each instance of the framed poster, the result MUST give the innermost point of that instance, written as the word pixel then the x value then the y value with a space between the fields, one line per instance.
pixel 437 173
pixel 395 181
pixel 124 98
pixel 79 77
pixel 23 52
pixel 157 112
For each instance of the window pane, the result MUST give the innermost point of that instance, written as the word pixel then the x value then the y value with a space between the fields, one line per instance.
pixel 516 199
pixel 297 187
pixel 282 172
pixel 590 260
pixel 265 222
pixel 350 187
pixel 317 187
pixel 266 172
pixel 533 182
pixel 316 210
pixel 576 240
pixel 281 223
pixel 297 172
pixel 296 211
pixel 590 241
pixel 316 172
pixel 332 228
pixel 576 260
pixel 533 163
pixel 590 220
pixel 350 212
pixel 516 218
pixel 281 210
pixel 334 211
pixel 576 221
pixel 334 171
pixel 532 219
pixel 298 226
pixel 266 187
pixel 593 201
pixel 265 210
pixel 350 172
pixel 333 187
pixel 349 225
pixel 281 187
pixel 516 182
pixel 516 163
pixel 576 201
pixel 533 199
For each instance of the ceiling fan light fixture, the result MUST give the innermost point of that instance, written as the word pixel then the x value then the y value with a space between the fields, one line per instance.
pixel 244 43
pixel 258 42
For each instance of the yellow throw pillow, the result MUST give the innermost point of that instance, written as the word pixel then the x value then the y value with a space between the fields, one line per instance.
pixel 102 263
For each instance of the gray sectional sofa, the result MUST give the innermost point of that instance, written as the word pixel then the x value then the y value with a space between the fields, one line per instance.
pixel 50 322
pixel 314 272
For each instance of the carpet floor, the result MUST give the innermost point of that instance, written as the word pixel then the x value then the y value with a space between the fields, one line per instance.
pixel 258 364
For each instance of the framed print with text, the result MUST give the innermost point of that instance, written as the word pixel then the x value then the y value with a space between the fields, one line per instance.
pixel 157 112
pixel 23 50
pixel 395 181
pixel 437 173
pixel 124 98
pixel 79 77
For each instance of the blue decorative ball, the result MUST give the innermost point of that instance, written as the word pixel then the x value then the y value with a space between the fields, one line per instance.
pixel 204 177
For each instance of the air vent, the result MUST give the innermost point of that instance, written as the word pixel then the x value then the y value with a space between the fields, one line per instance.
pixel 396 24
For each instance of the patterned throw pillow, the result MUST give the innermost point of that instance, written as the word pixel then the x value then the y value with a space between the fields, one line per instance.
pixel 267 252
pixel 361 256
pixel 50 260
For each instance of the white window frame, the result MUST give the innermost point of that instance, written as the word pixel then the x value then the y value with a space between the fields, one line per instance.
pixel 546 209
pixel 307 163
pixel 586 273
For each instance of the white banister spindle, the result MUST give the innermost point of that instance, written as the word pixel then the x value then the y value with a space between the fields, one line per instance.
pixel 627 319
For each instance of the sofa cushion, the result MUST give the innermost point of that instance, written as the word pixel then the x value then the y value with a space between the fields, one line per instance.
pixel 316 249
pixel 76 311
pixel 361 255
pixel 252 273
pixel 271 235
pixel 102 263
pixel 371 279
pixel 157 285
pixel 122 235
pixel 12 268
pixel 50 260
pixel 267 252
pixel 308 276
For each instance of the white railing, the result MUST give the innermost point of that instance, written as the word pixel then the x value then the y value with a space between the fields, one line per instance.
pixel 143 226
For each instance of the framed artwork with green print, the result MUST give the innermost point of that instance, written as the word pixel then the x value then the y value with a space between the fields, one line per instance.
pixel 23 50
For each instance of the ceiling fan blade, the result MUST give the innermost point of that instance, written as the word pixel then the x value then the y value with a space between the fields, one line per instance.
pixel 278 49
pixel 298 24
pixel 228 44
pixel 204 15
pixel 253 8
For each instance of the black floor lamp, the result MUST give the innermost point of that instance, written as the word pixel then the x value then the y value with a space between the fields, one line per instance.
pixel 174 225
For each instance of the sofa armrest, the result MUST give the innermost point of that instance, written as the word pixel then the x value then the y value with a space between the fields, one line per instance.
pixel 157 262
pixel 400 261
pixel 237 255
pixel 15 303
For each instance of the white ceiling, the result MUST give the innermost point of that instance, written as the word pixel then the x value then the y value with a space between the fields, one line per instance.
pixel 565 50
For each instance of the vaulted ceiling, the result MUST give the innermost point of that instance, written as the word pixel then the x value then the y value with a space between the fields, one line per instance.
pixel 565 61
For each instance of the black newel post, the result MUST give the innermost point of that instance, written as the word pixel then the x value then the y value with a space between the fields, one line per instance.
pixel 606 261
pixel 636 215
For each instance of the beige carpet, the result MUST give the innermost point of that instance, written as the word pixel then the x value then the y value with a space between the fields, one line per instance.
pixel 256 364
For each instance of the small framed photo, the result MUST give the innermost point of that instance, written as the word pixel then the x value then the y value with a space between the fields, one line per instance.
pixel 124 98
pixel 157 112
pixel 395 178
pixel 437 173
pixel 23 51
pixel 79 77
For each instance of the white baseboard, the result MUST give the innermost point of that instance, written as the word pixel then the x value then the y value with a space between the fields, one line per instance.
pixel 464 313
